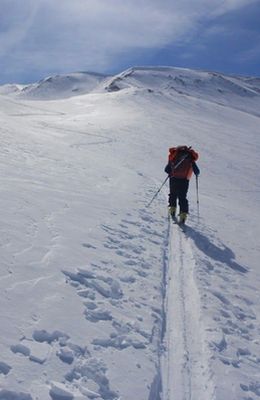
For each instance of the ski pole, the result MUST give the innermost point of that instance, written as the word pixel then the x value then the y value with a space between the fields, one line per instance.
pixel 158 191
pixel 197 192
pixel 174 167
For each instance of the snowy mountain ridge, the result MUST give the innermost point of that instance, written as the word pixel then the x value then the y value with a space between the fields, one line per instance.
pixel 103 297
pixel 220 88
pixel 183 80
pixel 213 86
pixel 58 86
pixel 173 78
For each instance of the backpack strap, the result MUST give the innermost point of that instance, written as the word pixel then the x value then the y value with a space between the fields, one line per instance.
pixel 180 161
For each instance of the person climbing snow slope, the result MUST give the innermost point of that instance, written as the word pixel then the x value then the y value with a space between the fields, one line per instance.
pixel 181 164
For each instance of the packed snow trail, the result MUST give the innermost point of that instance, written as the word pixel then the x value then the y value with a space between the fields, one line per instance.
pixel 186 373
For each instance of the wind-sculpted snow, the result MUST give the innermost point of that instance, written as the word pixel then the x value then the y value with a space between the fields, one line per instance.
pixel 57 87
pixel 190 81
pixel 103 297
pixel 233 91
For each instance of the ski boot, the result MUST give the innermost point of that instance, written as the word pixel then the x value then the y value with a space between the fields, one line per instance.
pixel 172 211
pixel 183 217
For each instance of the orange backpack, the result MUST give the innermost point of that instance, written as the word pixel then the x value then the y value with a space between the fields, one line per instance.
pixel 180 159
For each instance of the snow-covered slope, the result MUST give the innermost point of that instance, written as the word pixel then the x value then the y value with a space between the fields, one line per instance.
pixel 11 89
pixel 57 87
pixel 103 297
pixel 240 92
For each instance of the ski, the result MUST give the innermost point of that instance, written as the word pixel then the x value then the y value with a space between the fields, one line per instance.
pixel 176 221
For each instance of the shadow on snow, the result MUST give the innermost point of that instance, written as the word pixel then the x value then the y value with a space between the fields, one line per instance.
pixel 223 254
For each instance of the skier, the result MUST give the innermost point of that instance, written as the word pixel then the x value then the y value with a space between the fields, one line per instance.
pixel 181 164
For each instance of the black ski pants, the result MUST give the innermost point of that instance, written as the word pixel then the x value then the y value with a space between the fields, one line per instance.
pixel 178 190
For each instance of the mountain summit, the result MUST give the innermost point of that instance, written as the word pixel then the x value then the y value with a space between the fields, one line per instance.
pixel 213 86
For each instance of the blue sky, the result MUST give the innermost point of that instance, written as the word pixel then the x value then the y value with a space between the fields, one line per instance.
pixel 44 37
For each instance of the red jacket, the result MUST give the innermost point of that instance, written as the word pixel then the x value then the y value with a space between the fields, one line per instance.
pixel 180 162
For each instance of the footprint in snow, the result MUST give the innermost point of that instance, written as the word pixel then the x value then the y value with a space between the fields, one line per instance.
pixel 107 287
pixel 20 349
pixel 119 342
pixel 4 368
pixel 36 352
pixel 10 395
pixel 89 246
pixel 124 335
pixel 97 315
pixel 59 391
pixel 253 387
pixel 89 371
pixel 44 336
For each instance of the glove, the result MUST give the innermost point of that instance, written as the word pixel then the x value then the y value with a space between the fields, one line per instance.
pixel 195 169
pixel 168 169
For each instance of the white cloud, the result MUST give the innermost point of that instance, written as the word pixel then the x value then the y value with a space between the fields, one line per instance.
pixel 91 34
pixel 230 5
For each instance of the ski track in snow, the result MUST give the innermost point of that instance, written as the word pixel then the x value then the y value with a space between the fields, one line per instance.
pixel 186 373
pixel 193 348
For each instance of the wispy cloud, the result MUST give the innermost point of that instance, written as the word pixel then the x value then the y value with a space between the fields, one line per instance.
pixel 54 35
pixel 15 21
